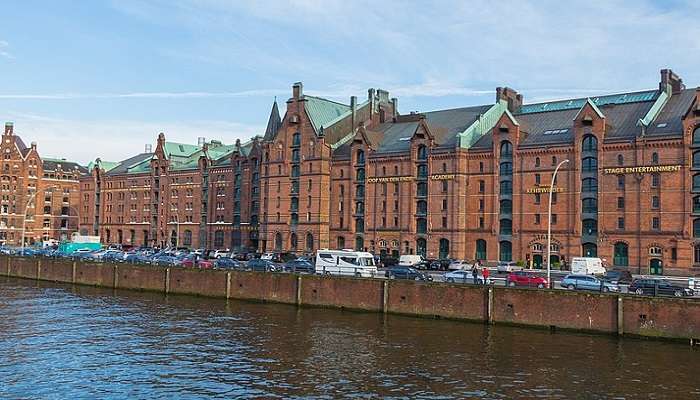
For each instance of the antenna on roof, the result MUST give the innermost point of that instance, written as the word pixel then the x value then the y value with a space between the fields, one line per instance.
pixel 149 148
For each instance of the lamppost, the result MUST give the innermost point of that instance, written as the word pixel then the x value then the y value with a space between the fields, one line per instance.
pixel 549 224
pixel 24 219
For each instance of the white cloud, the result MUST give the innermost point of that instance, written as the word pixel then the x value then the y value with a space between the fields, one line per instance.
pixel 85 140
pixel 3 50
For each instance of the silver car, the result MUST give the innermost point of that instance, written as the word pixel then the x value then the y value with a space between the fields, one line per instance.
pixel 587 282
pixel 508 267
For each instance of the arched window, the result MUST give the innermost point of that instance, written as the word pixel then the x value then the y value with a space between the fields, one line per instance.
pixel 309 242
pixel 655 180
pixel 506 206
pixel 589 205
pixel 554 161
pixel 655 251
pixel 278 241
pixel 506 168
pixel 620 255
pixel 422 152
pixel 620 159
pixel 360 157
pixel 537 247
pixel 537 162
pixel 187 240
pixel 696 228
pixel 590 143
pixel 359 243
pixel 654 158
pixel 505 251
pixel 359 225
pixel 480 253
pixel 696 159
pixel 506 187
pixel 696 135
pixel 219 239
pixel 589 164
pixel 421 225
pixel 506 227
pixel 590 250
pixel 444 248
pixel 293 241
pixel 590 226
pixel 421 247
pixel 506 149
pixel 589 185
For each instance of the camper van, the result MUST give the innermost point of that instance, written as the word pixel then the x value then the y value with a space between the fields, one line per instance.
pixel 345 262
pixel 587 266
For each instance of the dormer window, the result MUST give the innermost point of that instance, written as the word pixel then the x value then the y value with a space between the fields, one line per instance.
pixel 587 121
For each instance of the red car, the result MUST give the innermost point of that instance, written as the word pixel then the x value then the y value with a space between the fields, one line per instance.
pixel 524 278
pixel 188 262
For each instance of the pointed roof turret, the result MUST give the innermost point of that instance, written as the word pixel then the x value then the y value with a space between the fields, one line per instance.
pixel 273 123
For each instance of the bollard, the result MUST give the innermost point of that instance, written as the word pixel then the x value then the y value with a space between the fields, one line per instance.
pixel 620 316
pixel 385 296
pixel 228 285
pixel 298 299
pixel 38 269
pixel 167 280
pixel 74 272
pixel 489 306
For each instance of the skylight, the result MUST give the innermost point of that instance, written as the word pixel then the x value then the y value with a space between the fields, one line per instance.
pixel 405 139
pixel 555 131
pixel 663 125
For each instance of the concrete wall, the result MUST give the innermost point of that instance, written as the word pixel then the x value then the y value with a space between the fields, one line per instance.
pixel 606 313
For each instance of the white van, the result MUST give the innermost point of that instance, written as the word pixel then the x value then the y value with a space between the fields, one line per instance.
pixel 587 266
pixel 410 260
pixel 345 262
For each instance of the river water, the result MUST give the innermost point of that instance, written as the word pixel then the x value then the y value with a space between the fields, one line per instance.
pixel 63 342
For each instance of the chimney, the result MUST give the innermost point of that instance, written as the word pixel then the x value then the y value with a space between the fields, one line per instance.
pixel 8 128
pixel 33 145
pixel 394 107
pixel 148 148
pixel 353 109
pixel 297 90
pixel 511 97
pixel 370 98
pixel 670 79
pixel 161 139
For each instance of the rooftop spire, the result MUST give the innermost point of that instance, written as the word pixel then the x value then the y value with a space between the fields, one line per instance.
pixel 274 122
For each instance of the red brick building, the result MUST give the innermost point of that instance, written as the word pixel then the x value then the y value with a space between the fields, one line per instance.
pixel 464 183
pixel 39 194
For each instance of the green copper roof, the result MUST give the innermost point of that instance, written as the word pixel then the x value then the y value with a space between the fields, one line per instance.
pixel 179 149
pixel 648 95
pixel 483 124
pixel 324 113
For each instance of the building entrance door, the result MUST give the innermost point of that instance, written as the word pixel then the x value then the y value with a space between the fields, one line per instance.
pixel 656 267
pixel 537 261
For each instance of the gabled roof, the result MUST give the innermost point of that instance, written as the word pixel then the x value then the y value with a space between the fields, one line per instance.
pixel 179 149
pixel 323 113
pixel 132 164
pixel 54 164
pixel 599 101
pixel 668 121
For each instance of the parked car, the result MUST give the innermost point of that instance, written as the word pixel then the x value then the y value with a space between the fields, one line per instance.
pixel 587 282
pixel 507 267
pixel 406 272
pixel 523 278
pixel 166 261
pixel 226 263
pixel 464 276
pixel 136 258
pixel 460 264
pixel 618 276
pixel 299 265
pixel 659 287
pixel 388 261
pixel 219 253
pixel 188 261
pixel 262 265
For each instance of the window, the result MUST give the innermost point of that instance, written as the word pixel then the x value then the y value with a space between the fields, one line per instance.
pixel 422 152
pixel 422 171
pixel 590 143
pixel 444 204
pixel 506 168
pixel 621 223
pixel 696 182
pixel 620 255
pixel 589 164
pixel 554 219
pixel 537 219
pixel 421 225
pixel 655 251
pixel 505 251
pixel 506 227
pixel 360 157
pixel 481 222
pixel 537 198
pixel 620 160
pixel 655 223
pixel 696 204
pixel 590 205
pixel 506 149
pixel 655 202
pixel 507 187
pixel 422 207
pixel 589 185
pixel 482 185
pixel 444 222
pixel 422 189
pixel 219 239
pixel 696 135
pixel 621 203
pixel 537 162
pixel 296 139
pixel 359 225
pixel 654 158
pixel 554 160
pixel 590 227
pixel 445 185
pixel 656 180
pixel 696 159
pixel 480 253
pixel 538 179
pixel 481 166
pixel 621 182
pixel 506 206
pixel 187 241
pixel 696 224
pixel 554 198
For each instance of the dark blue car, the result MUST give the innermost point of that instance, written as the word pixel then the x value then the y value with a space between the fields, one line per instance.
pixel 299 265
pixel 261 265
pixel 226 263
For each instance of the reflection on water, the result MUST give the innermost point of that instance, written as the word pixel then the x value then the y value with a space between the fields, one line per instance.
pixel 62 342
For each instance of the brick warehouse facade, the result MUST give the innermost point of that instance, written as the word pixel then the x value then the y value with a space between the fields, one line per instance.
pixel 464 183
pixel 41 194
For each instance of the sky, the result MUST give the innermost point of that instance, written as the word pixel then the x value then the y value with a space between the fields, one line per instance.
pixel 101 78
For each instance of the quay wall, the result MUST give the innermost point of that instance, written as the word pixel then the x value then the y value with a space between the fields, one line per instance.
pixel 618 314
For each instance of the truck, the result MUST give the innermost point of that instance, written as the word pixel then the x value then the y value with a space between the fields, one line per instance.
pixel 412 260
pixel 587 266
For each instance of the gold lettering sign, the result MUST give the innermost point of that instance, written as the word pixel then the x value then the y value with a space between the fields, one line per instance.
pixel 390 179
pixel 443 177
pixel 642 169
pixel 544 190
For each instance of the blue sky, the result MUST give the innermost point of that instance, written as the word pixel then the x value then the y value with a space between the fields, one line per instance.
pixel 101 78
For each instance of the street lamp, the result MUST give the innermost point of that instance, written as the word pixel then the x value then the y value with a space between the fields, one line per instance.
pixel 549 224
pixel 24 219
